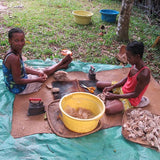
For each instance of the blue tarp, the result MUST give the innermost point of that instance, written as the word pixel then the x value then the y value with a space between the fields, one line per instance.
pixel 107 144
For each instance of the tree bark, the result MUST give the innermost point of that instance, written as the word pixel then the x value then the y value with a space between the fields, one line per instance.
pixel 123 21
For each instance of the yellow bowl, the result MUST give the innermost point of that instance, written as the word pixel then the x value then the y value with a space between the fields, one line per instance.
pixel 82 17
pixel 81 100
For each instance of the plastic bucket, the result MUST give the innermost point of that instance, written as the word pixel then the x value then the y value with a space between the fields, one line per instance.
pixel 82 17
pixel 108 15
pixel 81 100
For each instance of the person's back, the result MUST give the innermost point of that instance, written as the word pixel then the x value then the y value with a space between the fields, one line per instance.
pixel 131 89
pixel 8 77
pixel 131 84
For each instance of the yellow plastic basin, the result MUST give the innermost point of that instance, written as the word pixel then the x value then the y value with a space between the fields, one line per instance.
pixel 82 17
pixel 81 100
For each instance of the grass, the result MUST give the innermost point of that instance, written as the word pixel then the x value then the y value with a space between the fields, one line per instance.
pixel 49 28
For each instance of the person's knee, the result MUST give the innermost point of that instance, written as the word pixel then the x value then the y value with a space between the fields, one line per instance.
pixel 108 111
pixel 99 84
pixel 102 85
pixel 114 108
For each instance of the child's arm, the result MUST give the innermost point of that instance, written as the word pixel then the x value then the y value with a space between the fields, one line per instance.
pixel 119 84
pixel 35 72
pixel 142 81
pixel 16 72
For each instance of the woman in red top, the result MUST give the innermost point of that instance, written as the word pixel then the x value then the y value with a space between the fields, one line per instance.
pixel 131 89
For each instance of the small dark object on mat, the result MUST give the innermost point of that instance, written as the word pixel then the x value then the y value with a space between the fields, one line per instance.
pixel 92 74
pixel 55 90
pixel 35 108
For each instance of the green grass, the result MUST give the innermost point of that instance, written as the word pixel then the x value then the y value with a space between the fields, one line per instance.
pixel 49 28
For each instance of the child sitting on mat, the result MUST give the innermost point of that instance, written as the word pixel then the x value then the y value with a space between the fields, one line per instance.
pixel 128 92
pixel 18 78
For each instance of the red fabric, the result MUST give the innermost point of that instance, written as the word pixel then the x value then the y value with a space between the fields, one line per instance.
pixel 130 86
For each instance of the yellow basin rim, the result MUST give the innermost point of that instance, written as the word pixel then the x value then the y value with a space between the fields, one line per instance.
pixel 82 13
pixel 94 118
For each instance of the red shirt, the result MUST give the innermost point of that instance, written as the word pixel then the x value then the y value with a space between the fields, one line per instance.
pixel 130 86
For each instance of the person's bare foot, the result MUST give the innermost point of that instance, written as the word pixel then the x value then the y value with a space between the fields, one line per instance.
pixel 66 59
pixel 65 62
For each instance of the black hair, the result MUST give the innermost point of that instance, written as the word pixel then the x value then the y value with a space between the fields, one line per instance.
pixel 136 48
pixel 14 30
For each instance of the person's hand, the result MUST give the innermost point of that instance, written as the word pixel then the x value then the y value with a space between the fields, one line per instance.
pixel 41 79
pixel 109 96
pixel 42 74
pixel 107 89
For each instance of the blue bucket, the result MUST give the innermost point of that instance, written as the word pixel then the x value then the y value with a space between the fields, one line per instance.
pixel 108 15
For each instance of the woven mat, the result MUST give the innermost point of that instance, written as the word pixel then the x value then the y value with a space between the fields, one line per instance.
pixel 22 125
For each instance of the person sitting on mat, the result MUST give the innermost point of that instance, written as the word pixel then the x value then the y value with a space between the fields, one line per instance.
pixel 128 92
pixel 18 78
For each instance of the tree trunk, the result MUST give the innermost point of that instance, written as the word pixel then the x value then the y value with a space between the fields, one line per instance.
pixel 123 21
